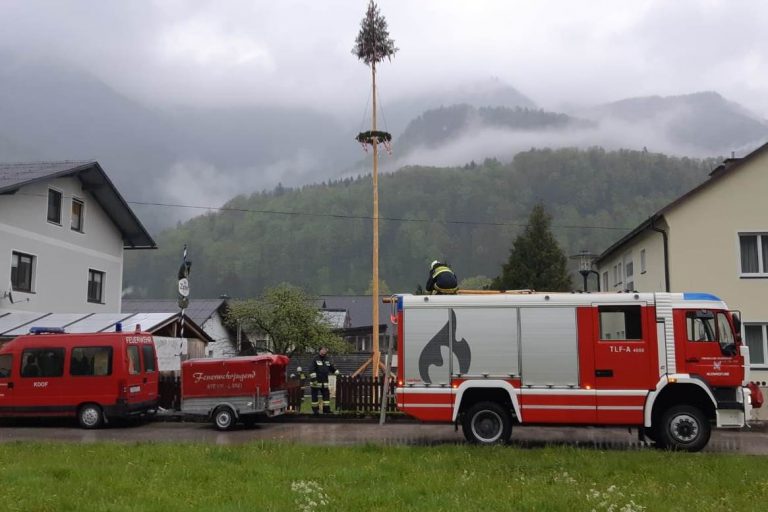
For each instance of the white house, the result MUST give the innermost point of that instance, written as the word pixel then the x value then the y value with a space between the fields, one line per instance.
pixel 63 229
pixel 712 239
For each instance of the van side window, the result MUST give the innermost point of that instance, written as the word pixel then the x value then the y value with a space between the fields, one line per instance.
pixel 148 353
pixel 700 325
pixel 134 363
pixel 6 363
pixel 620 323
pixel 42 362
pixel 91 361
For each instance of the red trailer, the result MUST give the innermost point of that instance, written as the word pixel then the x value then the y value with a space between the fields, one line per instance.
pixel 234 389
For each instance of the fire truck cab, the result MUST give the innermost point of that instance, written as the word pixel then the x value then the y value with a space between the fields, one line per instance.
pixel 670 364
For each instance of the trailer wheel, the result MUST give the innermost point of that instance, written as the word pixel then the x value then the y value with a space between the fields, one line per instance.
pixel 90 416
pixel 683 428
pixel 224 418
pixel 487 423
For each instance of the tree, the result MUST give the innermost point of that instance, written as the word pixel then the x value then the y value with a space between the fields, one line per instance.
pixel 373 43
pixel 475 283
pixel 536 260
pixel 289 317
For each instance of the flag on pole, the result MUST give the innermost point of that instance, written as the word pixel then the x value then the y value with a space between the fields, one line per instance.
pixel 183 297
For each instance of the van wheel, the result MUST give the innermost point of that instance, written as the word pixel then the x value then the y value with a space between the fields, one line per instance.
pixel 90 416
pixel 683 428
pixel 224 418
pixel 487 423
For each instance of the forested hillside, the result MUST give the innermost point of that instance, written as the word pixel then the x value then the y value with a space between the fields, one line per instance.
pixel 319 236
pixel 438 126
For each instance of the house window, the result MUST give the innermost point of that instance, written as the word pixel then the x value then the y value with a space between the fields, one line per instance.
pixel 642 261
pixel 22 270
pixel 756 337
pixel 54 206
pixel 605 280
pixel 615 276
pixel 77 215
pixel 95 286
pixel 754 254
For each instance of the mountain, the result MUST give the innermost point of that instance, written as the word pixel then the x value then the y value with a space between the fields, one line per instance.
pixel 319 236
pixel 699 123
pixel 53 111
pixel 440 126
pixel 486 93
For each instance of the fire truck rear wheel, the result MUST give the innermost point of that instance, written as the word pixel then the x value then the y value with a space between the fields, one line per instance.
pixel 487 423
pixel 90 416
pixel 224 418
pixel 683 428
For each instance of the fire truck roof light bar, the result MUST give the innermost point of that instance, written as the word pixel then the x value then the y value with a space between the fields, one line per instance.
pixel 46 330
pixel 700 296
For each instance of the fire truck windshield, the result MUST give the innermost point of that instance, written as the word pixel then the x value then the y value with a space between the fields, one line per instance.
pixel 727 339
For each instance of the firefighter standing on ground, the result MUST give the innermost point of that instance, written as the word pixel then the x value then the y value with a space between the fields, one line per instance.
pixel 442 280
pixel 320 370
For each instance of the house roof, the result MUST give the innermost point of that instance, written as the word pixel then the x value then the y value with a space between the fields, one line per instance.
pixel 15 323
pixel 358 307
pixel 199 310
pixel 94 180
pixel 727 168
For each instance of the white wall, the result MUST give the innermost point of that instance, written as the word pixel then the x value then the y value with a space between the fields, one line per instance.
pixel 62 256
pixel 222 346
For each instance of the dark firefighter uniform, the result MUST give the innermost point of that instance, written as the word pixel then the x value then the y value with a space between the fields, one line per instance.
pixel 319 371
pixel 442 280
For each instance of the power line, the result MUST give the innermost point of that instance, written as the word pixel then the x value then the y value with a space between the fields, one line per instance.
pixel 350 217
pixel 367 217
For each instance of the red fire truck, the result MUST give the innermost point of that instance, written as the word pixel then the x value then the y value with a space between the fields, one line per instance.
pixel 234 389
pixel 95 377
pixel 669 364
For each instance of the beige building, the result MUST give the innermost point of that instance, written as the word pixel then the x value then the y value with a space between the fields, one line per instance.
pixel 713 239
pixel 64 228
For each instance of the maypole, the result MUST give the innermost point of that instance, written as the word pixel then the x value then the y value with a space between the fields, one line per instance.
pixel 373 45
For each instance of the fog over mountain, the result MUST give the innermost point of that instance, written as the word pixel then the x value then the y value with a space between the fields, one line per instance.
pixel 193 103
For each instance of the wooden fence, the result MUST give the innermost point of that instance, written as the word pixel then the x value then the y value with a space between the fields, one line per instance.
pixel 362 394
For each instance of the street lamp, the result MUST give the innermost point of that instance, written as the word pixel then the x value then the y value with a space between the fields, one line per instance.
pixel 585 267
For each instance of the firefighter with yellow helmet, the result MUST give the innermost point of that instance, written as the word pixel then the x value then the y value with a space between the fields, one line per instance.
pixel 442 280
pixel 320 370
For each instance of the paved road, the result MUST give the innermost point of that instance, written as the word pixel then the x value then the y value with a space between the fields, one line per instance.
pixel 351 433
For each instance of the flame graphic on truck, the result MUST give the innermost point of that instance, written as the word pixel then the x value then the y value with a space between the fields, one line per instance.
pixel 432 354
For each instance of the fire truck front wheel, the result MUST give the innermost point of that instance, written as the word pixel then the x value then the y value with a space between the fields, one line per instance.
pixel 224 418
pixel 683 428
pixel 90 416
pixel 487 423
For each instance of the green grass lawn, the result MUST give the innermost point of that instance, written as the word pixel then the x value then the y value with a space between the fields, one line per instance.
pixel 272 476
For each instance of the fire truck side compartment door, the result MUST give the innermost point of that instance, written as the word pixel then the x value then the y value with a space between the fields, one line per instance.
pixel 427 351
pixel 549 346
pixel 485 343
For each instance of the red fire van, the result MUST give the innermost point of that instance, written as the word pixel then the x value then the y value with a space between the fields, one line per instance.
pixel 95 377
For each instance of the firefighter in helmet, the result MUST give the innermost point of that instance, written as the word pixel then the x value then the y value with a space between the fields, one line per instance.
pixel 442 280
pixel 321 368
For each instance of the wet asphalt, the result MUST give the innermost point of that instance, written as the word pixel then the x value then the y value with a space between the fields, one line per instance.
pixel 339 432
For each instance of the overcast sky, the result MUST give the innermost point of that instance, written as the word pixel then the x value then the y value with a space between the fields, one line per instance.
pixel 559 52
